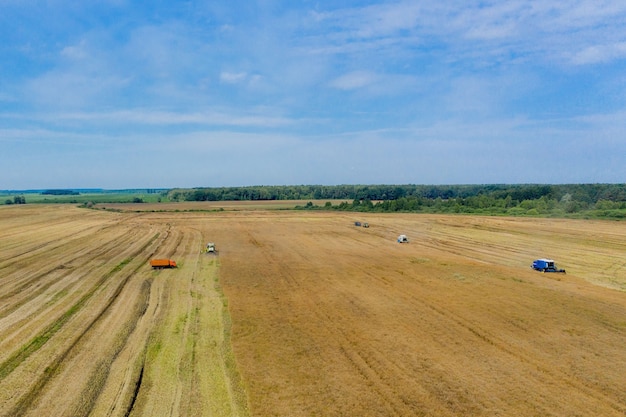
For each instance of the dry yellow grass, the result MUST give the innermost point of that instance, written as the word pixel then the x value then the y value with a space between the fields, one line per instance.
pixel 88 328
pixel 328 319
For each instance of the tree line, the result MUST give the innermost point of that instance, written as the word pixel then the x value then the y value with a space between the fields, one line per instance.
pixel 60 192
pixel 589 200
pixel 587 193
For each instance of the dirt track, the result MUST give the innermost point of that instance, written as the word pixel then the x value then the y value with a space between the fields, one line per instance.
pixel 328 319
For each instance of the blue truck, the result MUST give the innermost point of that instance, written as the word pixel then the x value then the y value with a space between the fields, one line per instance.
pixel 545 265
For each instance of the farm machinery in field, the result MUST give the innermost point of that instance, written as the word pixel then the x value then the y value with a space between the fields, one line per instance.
pixel 546 265
pixel 162 263
pixel 210 248
pixel 403 239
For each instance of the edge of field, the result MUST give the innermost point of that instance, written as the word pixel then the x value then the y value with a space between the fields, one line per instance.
pixel 211 205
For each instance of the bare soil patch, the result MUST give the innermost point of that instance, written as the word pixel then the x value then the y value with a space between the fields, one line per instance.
pixel 303 314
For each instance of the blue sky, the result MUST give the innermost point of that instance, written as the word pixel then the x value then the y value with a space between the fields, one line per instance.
pixel 125 94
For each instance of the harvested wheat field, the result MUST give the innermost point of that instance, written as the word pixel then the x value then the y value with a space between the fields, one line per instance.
pixel 304 314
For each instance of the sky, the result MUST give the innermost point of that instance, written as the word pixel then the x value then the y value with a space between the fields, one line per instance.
pixel 159 94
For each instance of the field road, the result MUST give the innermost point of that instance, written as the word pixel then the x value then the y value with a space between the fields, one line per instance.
pixel 304 314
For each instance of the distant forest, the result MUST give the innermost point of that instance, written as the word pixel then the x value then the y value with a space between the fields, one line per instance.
pixel 566 200
pixel 60 192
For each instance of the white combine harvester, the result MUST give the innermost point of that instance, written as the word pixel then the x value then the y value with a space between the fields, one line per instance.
pixel 210 248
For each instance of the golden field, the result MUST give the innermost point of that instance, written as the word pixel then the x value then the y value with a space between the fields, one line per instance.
pixel 304 314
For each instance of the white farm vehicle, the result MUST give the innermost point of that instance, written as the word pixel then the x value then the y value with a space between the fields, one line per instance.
pixel 210 248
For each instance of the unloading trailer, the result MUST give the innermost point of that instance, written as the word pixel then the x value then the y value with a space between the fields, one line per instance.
pixel 162 263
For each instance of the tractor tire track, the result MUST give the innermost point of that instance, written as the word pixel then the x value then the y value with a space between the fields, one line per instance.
pixel 559 376
pixel 106 249
pixel 10 364
pixel 28 314
pixel 29 399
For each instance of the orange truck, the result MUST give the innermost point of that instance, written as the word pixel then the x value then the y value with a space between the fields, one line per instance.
pixel 162 263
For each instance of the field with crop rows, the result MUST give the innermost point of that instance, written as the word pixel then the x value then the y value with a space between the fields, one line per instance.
pixel 305 314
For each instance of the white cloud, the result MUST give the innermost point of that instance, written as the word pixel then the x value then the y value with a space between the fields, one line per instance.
pixel 233 77
pixel 354 80
pixel 387 19
pixel 141 118
pixel 72 88
pixel 542 29
pixel 600 54
pixel 75 52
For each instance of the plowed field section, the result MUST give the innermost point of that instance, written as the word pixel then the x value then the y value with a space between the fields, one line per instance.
pixel 304 314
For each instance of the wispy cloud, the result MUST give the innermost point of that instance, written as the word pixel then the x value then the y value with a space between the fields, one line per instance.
pixel 600 53
pixel 145 117
pixel 233 77
pixel 353 80
pixel 542 29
